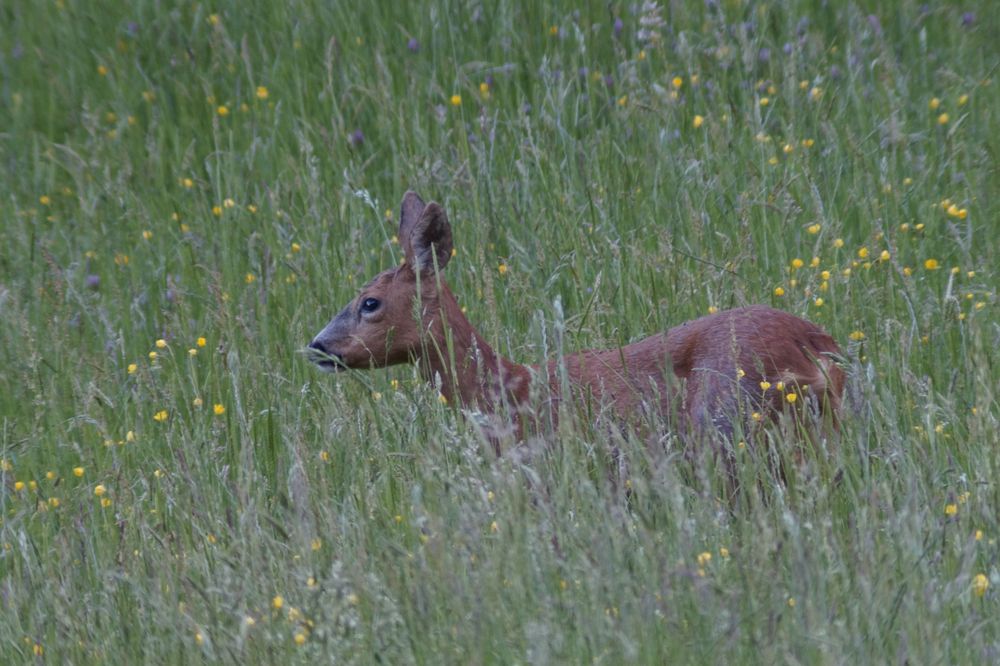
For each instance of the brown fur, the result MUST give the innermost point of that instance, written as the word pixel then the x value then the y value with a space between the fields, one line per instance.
pixel 707 371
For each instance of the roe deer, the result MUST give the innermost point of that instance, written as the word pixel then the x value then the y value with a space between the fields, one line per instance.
pixel 729 367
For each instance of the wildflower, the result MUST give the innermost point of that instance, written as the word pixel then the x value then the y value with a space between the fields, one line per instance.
pixel 192 352
pixel 857 336
pixel 78 472
pixel 130 436
pixel 99 490
pixel 316 544
pixel 884 256
pixel 779 291
pixel 102 70
pixel 808 143
pixel 300 638
pixel 217 210
pixel 791 398
pixel 764 101
pixel 262 92
pixel 502 268
pixel 161 343
pixel 218 409
pixel 222 110
pixel 494 527
pixel 277 602
pixel 623 100
pixel 19 486
pixel 198 637
pixel 813 229
pixel 838 243
pixel 950 509
pixel 934 104
pixel 862 252
pixel 456 100
pixel 250 278
pixel 704 558
pixel 756 417
pixel 698 121
pixel 152 356
pixel 797 263
pixel 45 200
pixel 442 399
pixel 201 342
pixel 963 100
pixel 942 119
pixel 677 82
pixel 132 367
pixel 764 385
pixel 818 302
pixel 815 93
pixel 791 602
pixel 723 552
pixel 213 19
pixel 197 403
pixel 980 584
pixel 160 416
pixel 979 535
pixel 932 264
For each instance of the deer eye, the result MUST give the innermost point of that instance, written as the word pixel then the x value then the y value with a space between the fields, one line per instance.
pixel 370 305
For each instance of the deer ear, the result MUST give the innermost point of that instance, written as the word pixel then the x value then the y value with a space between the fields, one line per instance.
pixel 430 238
pixel 409 212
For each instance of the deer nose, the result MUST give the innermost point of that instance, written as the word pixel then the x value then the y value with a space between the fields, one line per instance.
pixel 318 346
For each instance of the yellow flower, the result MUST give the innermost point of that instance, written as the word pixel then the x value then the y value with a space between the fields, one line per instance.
pixel 815 93
pixel 623 100
pixel 132 367
pixel 808 143
pixel 791 602
pixel 884 256
pixel 933 104
pixel 980 584
pixel 99 489
pixel 932 264
pixel 219 409
pixel 161 343
pixel 300 638
pixel 942 119
pixel 249 278
pixel 950 509
pixel 217 210
pixel 45 200
pixel 160 416
pixel 791 397
pixel 863 252
pixel 502 269
pixel 764 385
pixel 262 92
pixel 102 70
pixel 222 110
pixel 857 336
pixel 818 302
pixel 698 121
pixel 316 544
pixel 442 399
pixel 797 263
pixel 201 342
pixel 78 472
pixel 494 527
pixel 19 486
pixel 456 100
pixel 764 101
pixel 779 291
pixel 677 82
pixel 192 352
pixel 813 229
pixel 963 100
pixel 723 552
pixel 277 602
pixel 197 402
pixel 704 558
pixel 838 243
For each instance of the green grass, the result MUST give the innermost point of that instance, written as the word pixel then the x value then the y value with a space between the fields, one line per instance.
pixel 392 532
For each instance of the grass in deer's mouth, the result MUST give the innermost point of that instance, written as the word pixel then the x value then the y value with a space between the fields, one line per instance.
pixel 216 180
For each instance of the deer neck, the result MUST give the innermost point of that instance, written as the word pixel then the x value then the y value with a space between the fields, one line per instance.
pixel 470 371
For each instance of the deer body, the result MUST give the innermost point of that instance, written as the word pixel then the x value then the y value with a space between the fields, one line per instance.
pixel 708 371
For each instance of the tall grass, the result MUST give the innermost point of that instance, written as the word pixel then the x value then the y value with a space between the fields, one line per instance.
pixel 230 171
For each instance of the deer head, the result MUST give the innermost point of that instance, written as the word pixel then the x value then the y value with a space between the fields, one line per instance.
pixel 381 325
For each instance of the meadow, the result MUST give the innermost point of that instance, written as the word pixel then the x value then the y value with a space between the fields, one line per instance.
pixel 191 190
